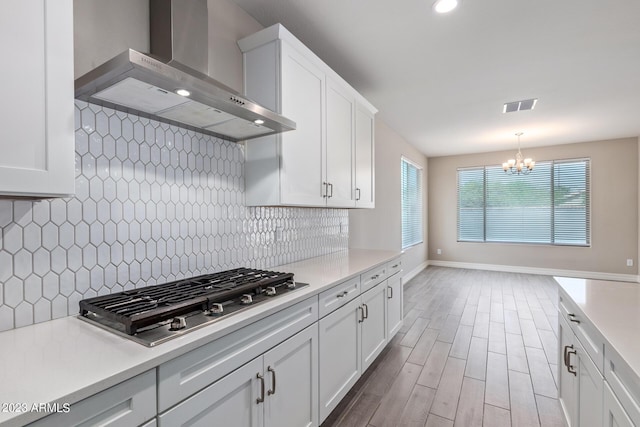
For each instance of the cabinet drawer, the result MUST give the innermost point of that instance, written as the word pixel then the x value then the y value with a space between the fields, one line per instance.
pixel 129 403
pixel 588 335
pixel 338 296
pixel 181 377
pixel 624 383
pixel 372 277
pixel 394 266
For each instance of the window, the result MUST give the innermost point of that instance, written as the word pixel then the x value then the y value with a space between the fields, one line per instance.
pixel 550 205
pixel 411 204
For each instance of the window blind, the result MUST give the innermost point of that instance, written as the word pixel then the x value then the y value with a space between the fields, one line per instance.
pixel 550 205
pixel 411 194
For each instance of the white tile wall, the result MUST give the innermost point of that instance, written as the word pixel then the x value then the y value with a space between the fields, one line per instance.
pixel 153 203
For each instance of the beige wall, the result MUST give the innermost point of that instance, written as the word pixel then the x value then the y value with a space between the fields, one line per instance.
pixel 614 211
pixel 380 228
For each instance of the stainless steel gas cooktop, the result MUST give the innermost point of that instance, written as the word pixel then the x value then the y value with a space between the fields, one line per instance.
pixel 154 314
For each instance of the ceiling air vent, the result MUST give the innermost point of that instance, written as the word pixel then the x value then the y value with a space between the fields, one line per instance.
pixel 526 104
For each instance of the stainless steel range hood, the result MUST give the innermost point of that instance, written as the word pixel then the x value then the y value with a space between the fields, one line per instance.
pixel 149 84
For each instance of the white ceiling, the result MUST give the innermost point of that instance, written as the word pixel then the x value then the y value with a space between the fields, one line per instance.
pixel 440 80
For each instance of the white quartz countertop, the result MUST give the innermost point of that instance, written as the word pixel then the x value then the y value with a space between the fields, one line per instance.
pixel 67 360
pixel 614 309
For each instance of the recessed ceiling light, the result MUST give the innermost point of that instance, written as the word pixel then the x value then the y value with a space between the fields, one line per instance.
pixel 258 121
pixel 183 92
pixel 444 6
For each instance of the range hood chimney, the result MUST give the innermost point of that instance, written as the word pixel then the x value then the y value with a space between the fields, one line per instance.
pixel 171 84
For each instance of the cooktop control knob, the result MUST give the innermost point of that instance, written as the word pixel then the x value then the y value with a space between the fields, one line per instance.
pixel 178 323
pixel 246 299
pixel 216 309
pixel 271 291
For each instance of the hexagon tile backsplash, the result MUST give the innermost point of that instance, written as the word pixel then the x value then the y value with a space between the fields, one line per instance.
pixel 153 203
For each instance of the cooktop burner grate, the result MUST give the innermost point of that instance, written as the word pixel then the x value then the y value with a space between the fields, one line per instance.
pixel 138 308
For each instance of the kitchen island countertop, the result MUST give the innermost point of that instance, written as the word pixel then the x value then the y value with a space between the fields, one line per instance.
pixel 66 360
pixel 614 309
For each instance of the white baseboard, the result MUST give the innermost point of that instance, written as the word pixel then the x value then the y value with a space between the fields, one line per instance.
pixel 413 273
pixel 536 270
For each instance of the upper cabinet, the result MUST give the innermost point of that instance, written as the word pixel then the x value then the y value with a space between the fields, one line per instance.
pixel 36 109
pixel 328 160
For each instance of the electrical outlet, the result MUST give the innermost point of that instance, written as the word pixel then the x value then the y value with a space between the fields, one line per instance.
pixel 439 251
pixel 629 262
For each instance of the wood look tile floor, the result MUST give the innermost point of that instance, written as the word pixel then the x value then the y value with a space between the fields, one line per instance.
pixel 478 348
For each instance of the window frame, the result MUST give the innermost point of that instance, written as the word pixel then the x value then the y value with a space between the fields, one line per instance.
pixel 420 191
pixel 588 213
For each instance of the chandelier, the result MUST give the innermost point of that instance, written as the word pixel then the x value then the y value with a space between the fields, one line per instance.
pixel 519 165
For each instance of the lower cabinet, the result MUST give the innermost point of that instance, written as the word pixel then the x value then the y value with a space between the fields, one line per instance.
pixel 373 324
pixel 277 389
pixel 351 338
pixel 580 388
pixel 394 305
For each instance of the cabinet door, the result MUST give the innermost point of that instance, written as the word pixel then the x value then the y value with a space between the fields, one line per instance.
pixel 302 151
pixel 614 413
pixel 36 137
pixel 590 383
pixel 364 159
pixel 394 305
pixel 568 382
pixel 291 375
pixel 339 362
pixel 374 326
pixel 233 400
pixel 340 111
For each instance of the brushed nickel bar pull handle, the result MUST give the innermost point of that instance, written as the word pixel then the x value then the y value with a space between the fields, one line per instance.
pixel 389 288
pixel 566 347
pixel 331 187
pixel 261 398
pixel 570 367
pixel 361 314
pixel 342 294
pixel 324 190
pixel 273 381
pixel 572 318
pixel 357 194
pixel 365 312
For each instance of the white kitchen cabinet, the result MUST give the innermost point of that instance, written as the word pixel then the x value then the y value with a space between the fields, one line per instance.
pixel 339 362
pixel 374 324
pixel 614 413
pixel 234 399
pixel 291 373
pixel 590 384
pixel 276 389
pixel 567 375
pixel 37 110
pixel 581 382
pixel 364 161
pixel 340 134
pixel 302 151
pixel 315 164
pixel 358 330
pixel 129 403
pixel 394 305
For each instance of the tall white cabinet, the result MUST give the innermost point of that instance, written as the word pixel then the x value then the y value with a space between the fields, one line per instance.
pixel 36 136
pixel 328 161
